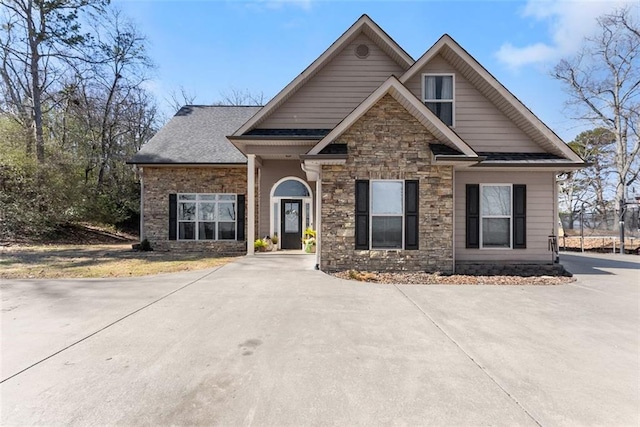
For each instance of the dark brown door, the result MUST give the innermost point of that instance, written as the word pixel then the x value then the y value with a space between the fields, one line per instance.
pixel 291 224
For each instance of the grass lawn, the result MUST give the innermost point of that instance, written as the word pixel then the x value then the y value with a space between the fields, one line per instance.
pixel 95 261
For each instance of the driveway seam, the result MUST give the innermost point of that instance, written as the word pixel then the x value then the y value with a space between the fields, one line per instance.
pixel 110 325
pixel 450 338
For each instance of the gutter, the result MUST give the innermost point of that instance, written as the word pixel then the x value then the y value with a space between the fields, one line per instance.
pixel 529 164
pixel 304 157
pixel 273 137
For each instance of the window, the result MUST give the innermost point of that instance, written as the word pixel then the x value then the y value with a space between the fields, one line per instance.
pixel 496 216
pixel 291 188
pixel 437 92
pixel 386 214
pixel 387 200
pixel 495 212
pixel 206 216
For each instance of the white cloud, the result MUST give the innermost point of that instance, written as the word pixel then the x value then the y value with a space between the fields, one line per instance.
pixel 567 21
pixel 277 4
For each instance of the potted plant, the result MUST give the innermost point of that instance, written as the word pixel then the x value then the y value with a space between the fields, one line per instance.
pixel 309 240
pixel 260 245
pixel 274 240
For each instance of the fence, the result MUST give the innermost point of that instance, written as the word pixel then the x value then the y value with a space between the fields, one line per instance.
pixel 599 231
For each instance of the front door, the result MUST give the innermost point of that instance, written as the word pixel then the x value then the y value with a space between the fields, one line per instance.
pixel 291 224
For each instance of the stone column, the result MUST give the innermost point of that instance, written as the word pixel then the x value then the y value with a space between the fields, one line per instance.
pixel 318 217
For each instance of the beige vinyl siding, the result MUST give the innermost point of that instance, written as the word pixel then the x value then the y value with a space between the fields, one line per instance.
pixel 336 90
pixel 540 212
pixel 477 120
pixel 271 172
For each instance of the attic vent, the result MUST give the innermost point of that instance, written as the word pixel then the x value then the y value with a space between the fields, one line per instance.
pixel 362 51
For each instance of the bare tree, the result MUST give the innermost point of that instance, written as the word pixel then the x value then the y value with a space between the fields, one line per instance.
pixel 590 187
pixel 236 96
pixel 179 99
pixel 603 82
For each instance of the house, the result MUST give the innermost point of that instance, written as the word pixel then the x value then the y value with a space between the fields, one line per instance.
pixel 399 164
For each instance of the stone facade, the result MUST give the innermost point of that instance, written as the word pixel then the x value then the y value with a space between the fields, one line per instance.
pixel 387 143
pixel 159 182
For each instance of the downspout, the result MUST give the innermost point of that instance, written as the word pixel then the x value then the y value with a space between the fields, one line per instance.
pixel 556 217
pixel 141 172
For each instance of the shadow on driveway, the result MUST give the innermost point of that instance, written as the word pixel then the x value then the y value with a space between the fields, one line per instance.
pixel 595 263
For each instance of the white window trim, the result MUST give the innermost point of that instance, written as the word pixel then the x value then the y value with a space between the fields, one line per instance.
pixel 510 216
pixel 197 221
pixel 453 90
pixel 371 214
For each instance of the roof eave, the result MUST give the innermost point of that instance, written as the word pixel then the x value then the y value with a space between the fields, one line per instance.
pixel 323 157
pixel 194 164
pixel 454 160
pixel 561 166
pixel 272 138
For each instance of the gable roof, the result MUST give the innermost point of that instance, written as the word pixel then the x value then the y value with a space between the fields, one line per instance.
pixel 363 25
pixel 400 93
pixel 197 134
pixel 493 90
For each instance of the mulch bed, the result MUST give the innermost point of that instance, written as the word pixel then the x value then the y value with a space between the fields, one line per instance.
pixel 456 279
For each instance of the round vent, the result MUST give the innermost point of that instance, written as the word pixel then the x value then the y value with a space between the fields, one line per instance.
pixel 362 51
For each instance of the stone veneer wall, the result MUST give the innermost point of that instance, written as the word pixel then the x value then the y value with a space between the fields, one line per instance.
pixel 159 182
pixel 387 143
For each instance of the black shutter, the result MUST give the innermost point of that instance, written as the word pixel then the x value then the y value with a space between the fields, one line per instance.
pixel 473 216
pixel 362 214
pixel 519 216
pixel 173 216
pixel 240 222
pixel 411 215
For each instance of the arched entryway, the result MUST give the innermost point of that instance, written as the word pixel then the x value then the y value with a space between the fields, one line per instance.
pixel 291 211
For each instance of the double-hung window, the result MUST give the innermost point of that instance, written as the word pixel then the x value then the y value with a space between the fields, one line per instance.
pixel 496 216
pixel 496 213
pixel 206 216
pixel 437 95
pixel 387 212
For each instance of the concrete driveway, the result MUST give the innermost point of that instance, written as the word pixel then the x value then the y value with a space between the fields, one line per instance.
pixel 269 341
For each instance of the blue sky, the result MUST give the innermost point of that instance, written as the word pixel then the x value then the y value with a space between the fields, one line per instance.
pixel 210 47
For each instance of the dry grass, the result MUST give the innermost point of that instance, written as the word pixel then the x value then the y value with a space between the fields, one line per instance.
pixel 96 261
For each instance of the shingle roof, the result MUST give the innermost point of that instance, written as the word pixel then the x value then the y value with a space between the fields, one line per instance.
pixel 335 149
pixel 445 150
pixel 197 134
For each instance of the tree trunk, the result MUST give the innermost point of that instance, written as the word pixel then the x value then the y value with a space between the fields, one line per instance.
pixel 36 92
